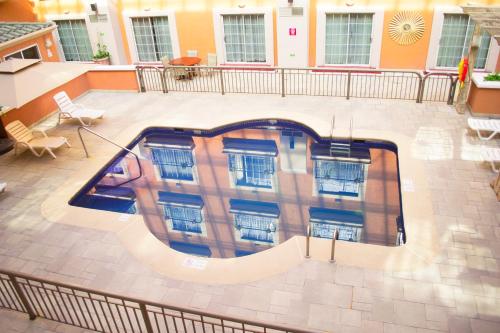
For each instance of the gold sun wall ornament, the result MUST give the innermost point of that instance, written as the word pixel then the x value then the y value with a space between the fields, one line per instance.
pixel 406 27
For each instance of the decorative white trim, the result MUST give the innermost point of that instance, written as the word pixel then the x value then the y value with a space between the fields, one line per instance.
pixel 377 31
pixel 219 32
pixel 437 30
pixel 127 19
pixel 25 48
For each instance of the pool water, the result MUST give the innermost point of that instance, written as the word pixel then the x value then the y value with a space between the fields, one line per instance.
pixel 244 188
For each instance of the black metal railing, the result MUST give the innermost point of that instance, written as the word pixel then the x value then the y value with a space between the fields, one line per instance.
pixel 359 83
pixel 104 312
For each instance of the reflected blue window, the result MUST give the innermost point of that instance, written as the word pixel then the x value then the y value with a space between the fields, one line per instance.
pixel 117 168
pixel 255 220
pixel 252 170
pixel 173 163
pixel 338 177
pixel 348 223
pixel 184 210
pixel 251 161
pixel 184 218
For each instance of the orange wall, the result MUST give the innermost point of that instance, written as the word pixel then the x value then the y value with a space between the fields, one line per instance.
pixel 44 105
pixel 196 32
pixel 40 41
pixel 116 80
pixel 17 10
pixel 395 56
pixel 484 101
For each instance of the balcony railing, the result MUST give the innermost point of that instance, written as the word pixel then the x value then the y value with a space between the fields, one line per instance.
pixel 359 83
pixel 104 312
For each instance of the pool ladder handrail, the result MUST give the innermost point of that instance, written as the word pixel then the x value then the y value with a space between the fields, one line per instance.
pixel 80 128
pixel 339 146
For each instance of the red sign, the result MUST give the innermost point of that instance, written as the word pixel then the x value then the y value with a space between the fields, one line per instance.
pixel 292 31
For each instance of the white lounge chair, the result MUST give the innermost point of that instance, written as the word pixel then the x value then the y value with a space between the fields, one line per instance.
pixel 485 125
pixel 492 155
pixel 70 110
pixel 24 137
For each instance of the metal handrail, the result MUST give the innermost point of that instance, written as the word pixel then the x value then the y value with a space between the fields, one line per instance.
pixel 106 312
pixel 80 128
pixel 453 81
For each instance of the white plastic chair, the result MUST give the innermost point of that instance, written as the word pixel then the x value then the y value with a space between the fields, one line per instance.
pixel 70 110
pixel 24 137
pixel 211 62
pixel 491 155
pixel 485 125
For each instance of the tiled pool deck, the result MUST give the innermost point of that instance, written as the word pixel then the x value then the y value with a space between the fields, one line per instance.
pixel 458 292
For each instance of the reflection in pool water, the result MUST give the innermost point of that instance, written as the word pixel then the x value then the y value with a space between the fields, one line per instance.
pixel 240 190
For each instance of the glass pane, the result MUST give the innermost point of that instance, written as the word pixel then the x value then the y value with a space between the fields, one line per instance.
pixel 348 39
pixel 31 53
pixel 455 37
pixel 74 40
pixel 244 38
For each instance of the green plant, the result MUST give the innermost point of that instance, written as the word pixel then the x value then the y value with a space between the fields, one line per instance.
pixel 492 77
pixel 102 49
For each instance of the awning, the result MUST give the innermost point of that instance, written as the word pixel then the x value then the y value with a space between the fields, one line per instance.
pixel 180 199
pixel 194 249
pixel 118 205
pixel 260 208
pixel 250 146
pixel 336 216
pixel 114 192
pixel 356 154
pixel 170 141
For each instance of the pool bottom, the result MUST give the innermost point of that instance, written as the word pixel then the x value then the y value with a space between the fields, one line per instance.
pixel 244 191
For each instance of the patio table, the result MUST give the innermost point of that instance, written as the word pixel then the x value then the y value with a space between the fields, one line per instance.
pixel 186 61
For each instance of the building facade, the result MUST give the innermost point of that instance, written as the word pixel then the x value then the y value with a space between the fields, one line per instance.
pixel 287 33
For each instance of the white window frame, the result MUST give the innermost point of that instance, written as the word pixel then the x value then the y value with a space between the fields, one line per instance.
pixel 377 31
pixel 219 33
pixel 68 17
pixel 25 48
pixel 129 31
pixel 437 30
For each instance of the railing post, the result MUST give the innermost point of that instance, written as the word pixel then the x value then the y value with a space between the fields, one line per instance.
pixel 451 93
pixel 335 236
pixel 164 80
pixel 142 87
pixel 308 241
pixel 348 85
pixel 282 82
pixel 145 316
pixel 22 297
pixel 420 92
pixel 221 81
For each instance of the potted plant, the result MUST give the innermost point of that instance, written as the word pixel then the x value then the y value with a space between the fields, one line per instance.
pixel 102 55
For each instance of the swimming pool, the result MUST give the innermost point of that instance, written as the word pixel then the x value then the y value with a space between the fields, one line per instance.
pixel 244 188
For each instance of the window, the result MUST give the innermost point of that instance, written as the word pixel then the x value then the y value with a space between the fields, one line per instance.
pixel 456 37
pixel 255 220
pixel 152 38
pixel 348 38
pixel 244 38
pixel 31 52
pixel 348 223
pixel 251 161
pixel 173 163
pixel 244 35
pixel 182 211
pixel 336 177
pixel 74 40
pixel 251 170
pixel 184 218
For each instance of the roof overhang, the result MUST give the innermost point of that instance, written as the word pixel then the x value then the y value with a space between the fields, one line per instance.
pixel 488 17
pixel 29 36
